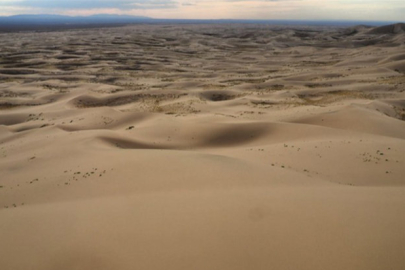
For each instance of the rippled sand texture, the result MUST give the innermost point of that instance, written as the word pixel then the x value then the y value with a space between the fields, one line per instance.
pixel 203 147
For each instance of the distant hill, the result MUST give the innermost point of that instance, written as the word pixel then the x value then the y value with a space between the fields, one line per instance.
pixel 47 22
pixel 43 19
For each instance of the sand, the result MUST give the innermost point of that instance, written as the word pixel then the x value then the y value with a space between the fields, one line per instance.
pixel 203 147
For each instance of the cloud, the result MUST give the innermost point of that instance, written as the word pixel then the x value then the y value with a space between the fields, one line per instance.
pixel 91 4
pixel 263 0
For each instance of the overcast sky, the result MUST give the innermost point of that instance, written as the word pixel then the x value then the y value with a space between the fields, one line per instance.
pixel 370 10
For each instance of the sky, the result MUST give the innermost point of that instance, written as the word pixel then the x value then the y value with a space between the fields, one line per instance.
pixel 362 10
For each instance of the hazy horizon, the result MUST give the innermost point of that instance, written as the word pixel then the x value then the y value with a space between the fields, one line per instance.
pixel 341 10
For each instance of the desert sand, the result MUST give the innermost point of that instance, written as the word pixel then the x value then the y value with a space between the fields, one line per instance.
pixel 203 147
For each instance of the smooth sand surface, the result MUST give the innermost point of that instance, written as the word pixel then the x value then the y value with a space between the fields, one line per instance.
pixel 203 147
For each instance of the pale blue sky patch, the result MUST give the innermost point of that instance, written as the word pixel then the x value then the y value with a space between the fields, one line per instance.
pixel 86 4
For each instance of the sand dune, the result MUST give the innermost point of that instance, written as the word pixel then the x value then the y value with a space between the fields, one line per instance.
pixel 389 29
pixel 203 147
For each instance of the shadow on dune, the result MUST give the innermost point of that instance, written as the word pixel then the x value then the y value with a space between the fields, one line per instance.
pixel 229 135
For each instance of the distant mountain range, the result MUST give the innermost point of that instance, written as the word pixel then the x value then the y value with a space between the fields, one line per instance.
pixel 46 20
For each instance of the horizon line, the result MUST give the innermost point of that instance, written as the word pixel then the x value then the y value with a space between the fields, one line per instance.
pixel 188 19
